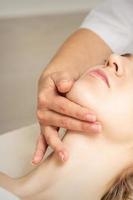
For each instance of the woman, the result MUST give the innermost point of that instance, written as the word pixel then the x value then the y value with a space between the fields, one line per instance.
pixel 99 166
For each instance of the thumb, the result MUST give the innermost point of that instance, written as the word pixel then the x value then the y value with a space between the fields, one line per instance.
pixel 63 82
pixel 65 85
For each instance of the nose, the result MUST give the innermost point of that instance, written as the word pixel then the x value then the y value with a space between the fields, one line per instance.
pixel 115 62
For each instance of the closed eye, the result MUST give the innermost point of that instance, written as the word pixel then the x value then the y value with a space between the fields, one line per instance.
pixel 126 55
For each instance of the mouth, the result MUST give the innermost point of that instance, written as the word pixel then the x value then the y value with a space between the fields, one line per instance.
pixel 101 74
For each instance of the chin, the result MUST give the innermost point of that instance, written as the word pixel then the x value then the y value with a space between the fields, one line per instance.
pixel 81 97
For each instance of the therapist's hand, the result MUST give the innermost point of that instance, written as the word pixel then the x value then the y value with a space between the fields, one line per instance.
pixel 55 110
pixel 82 49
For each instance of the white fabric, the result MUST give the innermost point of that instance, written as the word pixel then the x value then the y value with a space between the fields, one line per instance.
pixel 112 20
pixel 5 195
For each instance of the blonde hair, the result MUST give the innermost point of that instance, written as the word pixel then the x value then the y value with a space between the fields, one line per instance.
pixel 122 188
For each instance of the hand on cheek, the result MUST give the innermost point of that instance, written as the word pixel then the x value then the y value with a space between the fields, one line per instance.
pixel 55 111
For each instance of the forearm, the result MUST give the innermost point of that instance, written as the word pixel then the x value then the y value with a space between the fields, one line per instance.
pixel 82 49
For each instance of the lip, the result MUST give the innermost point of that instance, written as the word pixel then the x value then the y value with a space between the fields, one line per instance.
pixel 101 74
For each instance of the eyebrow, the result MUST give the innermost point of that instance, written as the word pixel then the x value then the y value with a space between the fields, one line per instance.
pixel 127 55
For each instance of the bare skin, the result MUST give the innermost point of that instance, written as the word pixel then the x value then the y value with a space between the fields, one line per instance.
pixel 82 49
pixel 83 176
pixel 95 160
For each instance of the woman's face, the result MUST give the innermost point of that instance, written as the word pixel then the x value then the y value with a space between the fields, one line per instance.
pixel 108 90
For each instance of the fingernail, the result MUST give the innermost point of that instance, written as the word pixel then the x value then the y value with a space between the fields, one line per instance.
pixel 65 80
pixel 90 117
pixel 33 163
pixel 97 127
pixel 61 155
pixel 35 160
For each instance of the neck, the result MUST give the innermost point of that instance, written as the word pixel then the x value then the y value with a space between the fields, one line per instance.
pixel 93 165
pixel 102 161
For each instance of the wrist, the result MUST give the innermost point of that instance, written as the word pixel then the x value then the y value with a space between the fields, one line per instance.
pixel 81 50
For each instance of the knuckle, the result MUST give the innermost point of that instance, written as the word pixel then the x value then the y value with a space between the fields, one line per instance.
pixel 49 139
pixel 41 117
pixel 39 114
pixel 62 108
pixel 55 144
pixel 42 99
pixel 40 150
pixel 78 115
pixel 84 126
pixel 44 119
pixel 64 123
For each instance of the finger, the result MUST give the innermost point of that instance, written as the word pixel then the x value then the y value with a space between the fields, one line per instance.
pixel 41 147
pixel 53 140
pixel 62 104
pixel 55 119
pixel 69 108
pixel 63 81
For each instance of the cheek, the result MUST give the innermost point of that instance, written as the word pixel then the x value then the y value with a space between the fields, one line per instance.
pixel 114 111
pixel 79 95
pixel 88 95
pixel 117 117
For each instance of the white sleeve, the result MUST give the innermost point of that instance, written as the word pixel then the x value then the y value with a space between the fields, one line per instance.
pixel 113 22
